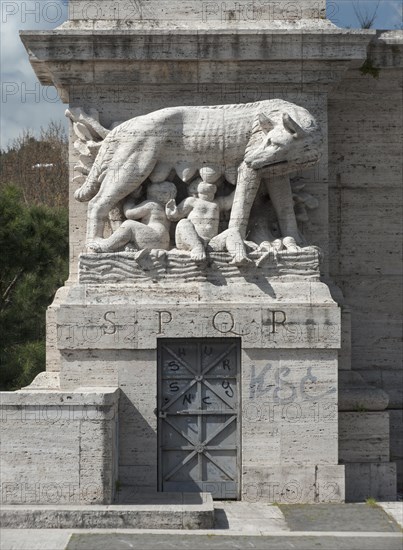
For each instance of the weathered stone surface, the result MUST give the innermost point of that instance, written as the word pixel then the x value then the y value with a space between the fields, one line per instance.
pixel 138 427
pixel 396 443
pixel 356 395
pixel 375 238
pixel 46 380
pixel 345 350
pixel 58 447
pixel 365 177
pixel 330 483
pixel 364 437
pixel 294 485
pixel 389 380
pixel 289 412
pixel 376 480
pixel 154 511
pixel 289 407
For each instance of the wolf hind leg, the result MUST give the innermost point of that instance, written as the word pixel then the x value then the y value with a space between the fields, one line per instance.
pixel 280 193
pixel 100 206
pixel 116 185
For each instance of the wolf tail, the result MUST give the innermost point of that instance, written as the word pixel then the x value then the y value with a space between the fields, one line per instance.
pixel 91 185
pixel 97 173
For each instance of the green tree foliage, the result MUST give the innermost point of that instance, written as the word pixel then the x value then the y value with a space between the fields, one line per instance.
pixel 38 166
pixel 33 264
pixel 34 247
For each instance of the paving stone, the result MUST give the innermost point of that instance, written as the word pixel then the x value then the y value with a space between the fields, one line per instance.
pixel 338 517
pixel 156 542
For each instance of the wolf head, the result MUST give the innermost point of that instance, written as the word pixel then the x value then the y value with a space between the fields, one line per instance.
pixel 283 145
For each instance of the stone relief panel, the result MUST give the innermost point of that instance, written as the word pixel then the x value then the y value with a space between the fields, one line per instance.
pixel 197 181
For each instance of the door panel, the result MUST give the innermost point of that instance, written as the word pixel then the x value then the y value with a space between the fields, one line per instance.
pixel 198 424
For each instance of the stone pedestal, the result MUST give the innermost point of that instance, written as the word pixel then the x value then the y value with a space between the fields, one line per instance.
pixel 288 329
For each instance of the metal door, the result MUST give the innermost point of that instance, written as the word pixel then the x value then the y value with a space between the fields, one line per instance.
pixel 198 425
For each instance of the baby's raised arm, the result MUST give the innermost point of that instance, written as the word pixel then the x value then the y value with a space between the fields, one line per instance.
pixel 177 212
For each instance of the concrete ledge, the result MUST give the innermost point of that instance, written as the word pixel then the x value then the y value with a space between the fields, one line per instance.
pixel 159 511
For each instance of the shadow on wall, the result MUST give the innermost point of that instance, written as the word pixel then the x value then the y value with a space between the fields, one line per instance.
pixel 137 471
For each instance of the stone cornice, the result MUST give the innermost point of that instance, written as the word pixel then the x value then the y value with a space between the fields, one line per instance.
pixel 182 44
pixel 386 50
pixel 64 57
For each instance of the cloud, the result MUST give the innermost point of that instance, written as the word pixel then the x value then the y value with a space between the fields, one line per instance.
pixel 24 102
pixel 394 10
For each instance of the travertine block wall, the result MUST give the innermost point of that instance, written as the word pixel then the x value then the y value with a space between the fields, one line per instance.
pixel 364 437
pixel 135 373
pixel 289 422
pixel 396 440
pixel 366 479
pixel 365 209
pixel 59 447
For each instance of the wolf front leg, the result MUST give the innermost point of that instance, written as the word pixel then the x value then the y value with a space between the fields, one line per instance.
pixel 248 182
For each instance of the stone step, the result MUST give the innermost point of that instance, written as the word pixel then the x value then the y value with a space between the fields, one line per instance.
pixel 157 511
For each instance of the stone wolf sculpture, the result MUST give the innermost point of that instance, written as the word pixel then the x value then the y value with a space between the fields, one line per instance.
pixel 245 143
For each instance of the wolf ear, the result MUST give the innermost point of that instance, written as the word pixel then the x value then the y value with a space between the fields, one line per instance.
pixel 266 124
pixel 291 126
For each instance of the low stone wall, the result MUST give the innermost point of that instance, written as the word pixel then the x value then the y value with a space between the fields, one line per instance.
pixel 58 447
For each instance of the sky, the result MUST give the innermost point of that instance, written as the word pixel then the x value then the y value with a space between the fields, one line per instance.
pixel 25 104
